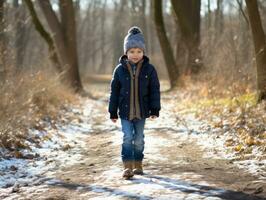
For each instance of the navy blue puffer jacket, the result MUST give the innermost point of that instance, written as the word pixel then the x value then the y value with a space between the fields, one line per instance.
pixel 149 90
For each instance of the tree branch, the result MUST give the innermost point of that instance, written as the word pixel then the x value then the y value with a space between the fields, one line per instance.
pixel 44 34
pixel 243 12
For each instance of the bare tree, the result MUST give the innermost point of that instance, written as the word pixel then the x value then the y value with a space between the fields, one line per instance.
pixel 138 14
pixel 21 36
pixel 165 44
pixel 188 14
pixel 2 42
pixel 260 46
pixel 240 4
pixel 181 52
pixel 219 21
pixel 93 25
pixel 143 20
pixel 118 29
pixel 44 34
pixel 85 29
pixel 64 36
pixel 103 36
pixel 151 35
pixel 244 34
pixel 209 17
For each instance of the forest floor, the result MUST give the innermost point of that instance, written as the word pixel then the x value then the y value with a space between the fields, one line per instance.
pixel 185 158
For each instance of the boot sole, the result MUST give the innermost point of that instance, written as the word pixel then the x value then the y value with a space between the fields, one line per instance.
pixel 138 172
pixel 127 174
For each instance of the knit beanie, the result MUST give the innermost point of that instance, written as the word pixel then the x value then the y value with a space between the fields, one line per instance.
pixel 134 39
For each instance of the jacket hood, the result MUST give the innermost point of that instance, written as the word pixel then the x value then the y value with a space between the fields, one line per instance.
pixel 123 60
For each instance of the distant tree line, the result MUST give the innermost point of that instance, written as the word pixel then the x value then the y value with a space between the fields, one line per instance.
pixel 183 37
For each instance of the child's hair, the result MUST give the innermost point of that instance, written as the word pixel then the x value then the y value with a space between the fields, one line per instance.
pixel 134 39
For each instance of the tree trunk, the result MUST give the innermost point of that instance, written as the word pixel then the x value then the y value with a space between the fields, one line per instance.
pixel 64 36
pixel 3 70
pixel 94 24
pixel 181 50
pixel 188 15
pixel 181 54
pixel 151 37
pixel 259 44
pixel 84 40
pixel 20 34
pixel 165 44
pixel 103 54
pixel 118 30
pixel 68 27
pixel 219 18
pixel 45 35
pixel 143 20
pixel 138 15
pixel 77 9
pixel 245 45
pixel 209 17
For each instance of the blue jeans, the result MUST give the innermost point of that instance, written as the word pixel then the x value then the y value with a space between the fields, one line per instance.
pixel 133 140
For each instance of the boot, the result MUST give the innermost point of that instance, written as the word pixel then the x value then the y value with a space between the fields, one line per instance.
pixel 128 173
pixel 138 170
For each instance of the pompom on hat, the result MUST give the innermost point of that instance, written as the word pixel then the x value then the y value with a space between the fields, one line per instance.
pixel 134 39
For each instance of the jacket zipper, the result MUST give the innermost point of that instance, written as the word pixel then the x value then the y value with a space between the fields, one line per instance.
pixel 134 101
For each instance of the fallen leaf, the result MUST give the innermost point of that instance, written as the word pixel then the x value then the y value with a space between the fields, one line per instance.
pixel 238 148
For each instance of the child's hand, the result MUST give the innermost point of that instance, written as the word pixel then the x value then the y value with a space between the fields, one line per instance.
pixel 114 120
pixel 153 116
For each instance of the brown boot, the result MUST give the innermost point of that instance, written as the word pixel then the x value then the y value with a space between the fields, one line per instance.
pixel 128 173
pixel 138 170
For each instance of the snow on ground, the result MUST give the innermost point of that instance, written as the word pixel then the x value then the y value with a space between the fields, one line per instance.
pixel 54 152
pixel 110 185
pixel 68 140
pixel 186 125
pixel 213 141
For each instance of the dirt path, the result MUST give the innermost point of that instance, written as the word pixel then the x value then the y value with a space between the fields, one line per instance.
pixel 176 167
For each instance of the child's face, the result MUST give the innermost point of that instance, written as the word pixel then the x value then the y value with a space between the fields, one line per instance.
pixel 135 54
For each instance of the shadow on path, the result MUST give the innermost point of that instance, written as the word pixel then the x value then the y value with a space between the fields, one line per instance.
pixel 168 183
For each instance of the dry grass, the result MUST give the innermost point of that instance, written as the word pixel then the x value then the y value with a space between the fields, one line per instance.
pixel 206 86
pixel 230 110
pixel 24 101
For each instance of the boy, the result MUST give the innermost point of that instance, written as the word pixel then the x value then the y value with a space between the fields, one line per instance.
pixel 135 92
